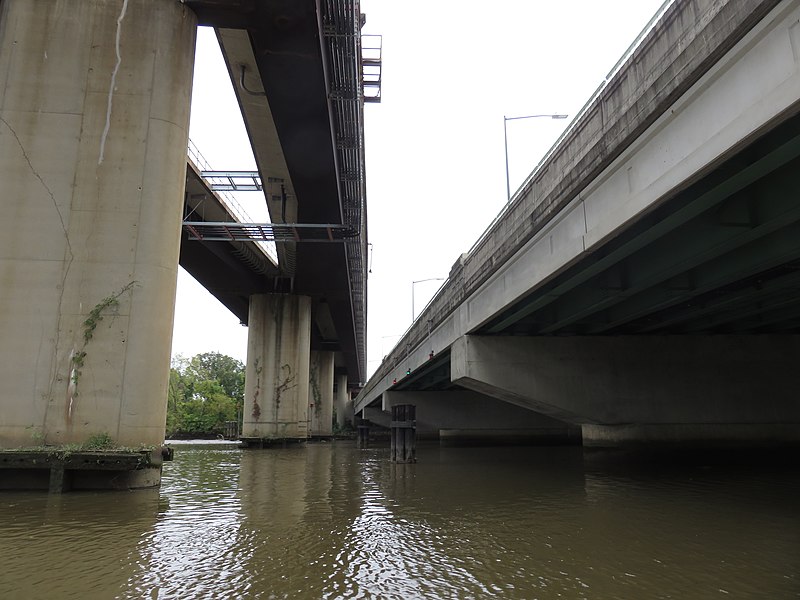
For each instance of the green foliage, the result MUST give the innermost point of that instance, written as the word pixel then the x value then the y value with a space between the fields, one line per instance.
pixel 98 441
pixel 96 314
pixel 90 324
pixel 205 391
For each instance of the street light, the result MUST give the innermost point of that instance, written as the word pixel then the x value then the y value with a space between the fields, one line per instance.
pixel 413 283
pixel 505 138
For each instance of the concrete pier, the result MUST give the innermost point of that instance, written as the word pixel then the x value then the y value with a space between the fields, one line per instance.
pixel 277 373
pixel 320 394
pixel 94 112
pixel 343 403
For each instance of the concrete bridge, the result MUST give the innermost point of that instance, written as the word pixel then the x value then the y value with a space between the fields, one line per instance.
pixel 94 112
pixel 642 285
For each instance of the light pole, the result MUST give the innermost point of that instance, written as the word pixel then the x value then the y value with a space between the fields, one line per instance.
pixel 505 139
pixel 413 283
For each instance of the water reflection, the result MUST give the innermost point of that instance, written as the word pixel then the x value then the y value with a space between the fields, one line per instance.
pixel 83 544
pixel 453 525
pixel 331 521
pixel 197 543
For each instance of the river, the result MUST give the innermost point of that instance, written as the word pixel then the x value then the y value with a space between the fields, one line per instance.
pixel 327 520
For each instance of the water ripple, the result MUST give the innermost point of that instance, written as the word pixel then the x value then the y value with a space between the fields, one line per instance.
pixel 330 521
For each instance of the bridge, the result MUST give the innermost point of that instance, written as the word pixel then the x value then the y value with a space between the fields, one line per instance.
pixel 641 287
pixel 100 208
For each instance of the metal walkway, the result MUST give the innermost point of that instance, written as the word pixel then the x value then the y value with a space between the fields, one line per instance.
pixel 221 231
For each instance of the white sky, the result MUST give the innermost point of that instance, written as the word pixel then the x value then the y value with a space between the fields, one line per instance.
pixel 434 145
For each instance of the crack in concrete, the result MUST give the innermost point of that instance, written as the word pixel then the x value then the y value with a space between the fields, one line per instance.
pixel 44 185
pixel 54 369
pixel 113 84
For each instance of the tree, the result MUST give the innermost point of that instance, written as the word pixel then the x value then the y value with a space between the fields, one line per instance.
pixel 225 370
pixel 204 392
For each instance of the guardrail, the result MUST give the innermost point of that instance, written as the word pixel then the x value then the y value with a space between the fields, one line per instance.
pixel 229 201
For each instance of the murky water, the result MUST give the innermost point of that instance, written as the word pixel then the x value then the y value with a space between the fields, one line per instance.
pixel 330 521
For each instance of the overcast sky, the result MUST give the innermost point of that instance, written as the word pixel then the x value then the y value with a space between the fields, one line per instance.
pixel 434 145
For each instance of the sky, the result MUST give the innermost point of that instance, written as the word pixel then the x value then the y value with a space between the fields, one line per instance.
pixel 435 154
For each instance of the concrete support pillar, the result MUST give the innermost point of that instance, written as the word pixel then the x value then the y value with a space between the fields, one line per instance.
pixel 344 405
pixel 94 114
pixel 277 372
pixel 320 394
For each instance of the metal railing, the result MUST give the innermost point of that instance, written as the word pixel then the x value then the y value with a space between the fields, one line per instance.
pixel 229 201
pixel 371 66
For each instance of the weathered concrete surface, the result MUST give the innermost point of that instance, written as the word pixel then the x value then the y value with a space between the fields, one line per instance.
pixel 320 394
pixel 343 403
pixel 267 150
pixel 94 111
pixel 653 380
pixel 60 469
pixel 468 414
pixel 684 101
pixel 277 370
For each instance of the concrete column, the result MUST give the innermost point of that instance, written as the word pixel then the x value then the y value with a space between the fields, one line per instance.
pixel 277 372
pixel 94 113
pixel 320 394
pixel 344 406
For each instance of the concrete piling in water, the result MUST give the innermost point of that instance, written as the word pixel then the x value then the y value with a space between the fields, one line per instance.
pixel 404 434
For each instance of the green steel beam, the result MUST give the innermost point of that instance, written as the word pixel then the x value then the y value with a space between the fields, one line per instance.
pixel 736 304
pixel 683 249
pixel 744 262
pixel 767 311
pixel 713 196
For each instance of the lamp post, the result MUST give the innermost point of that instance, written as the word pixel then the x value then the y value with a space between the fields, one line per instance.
pixel 505 139
pixel 413 283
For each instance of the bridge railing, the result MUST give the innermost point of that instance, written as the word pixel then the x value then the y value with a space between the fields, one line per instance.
pixel 229 201
pixel 569 129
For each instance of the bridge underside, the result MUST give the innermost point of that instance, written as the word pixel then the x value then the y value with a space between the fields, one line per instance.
pixel 298 84
pixel 683 328
pixel 721 256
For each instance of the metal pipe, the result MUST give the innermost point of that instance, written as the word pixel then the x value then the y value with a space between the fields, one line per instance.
pixel 244 87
